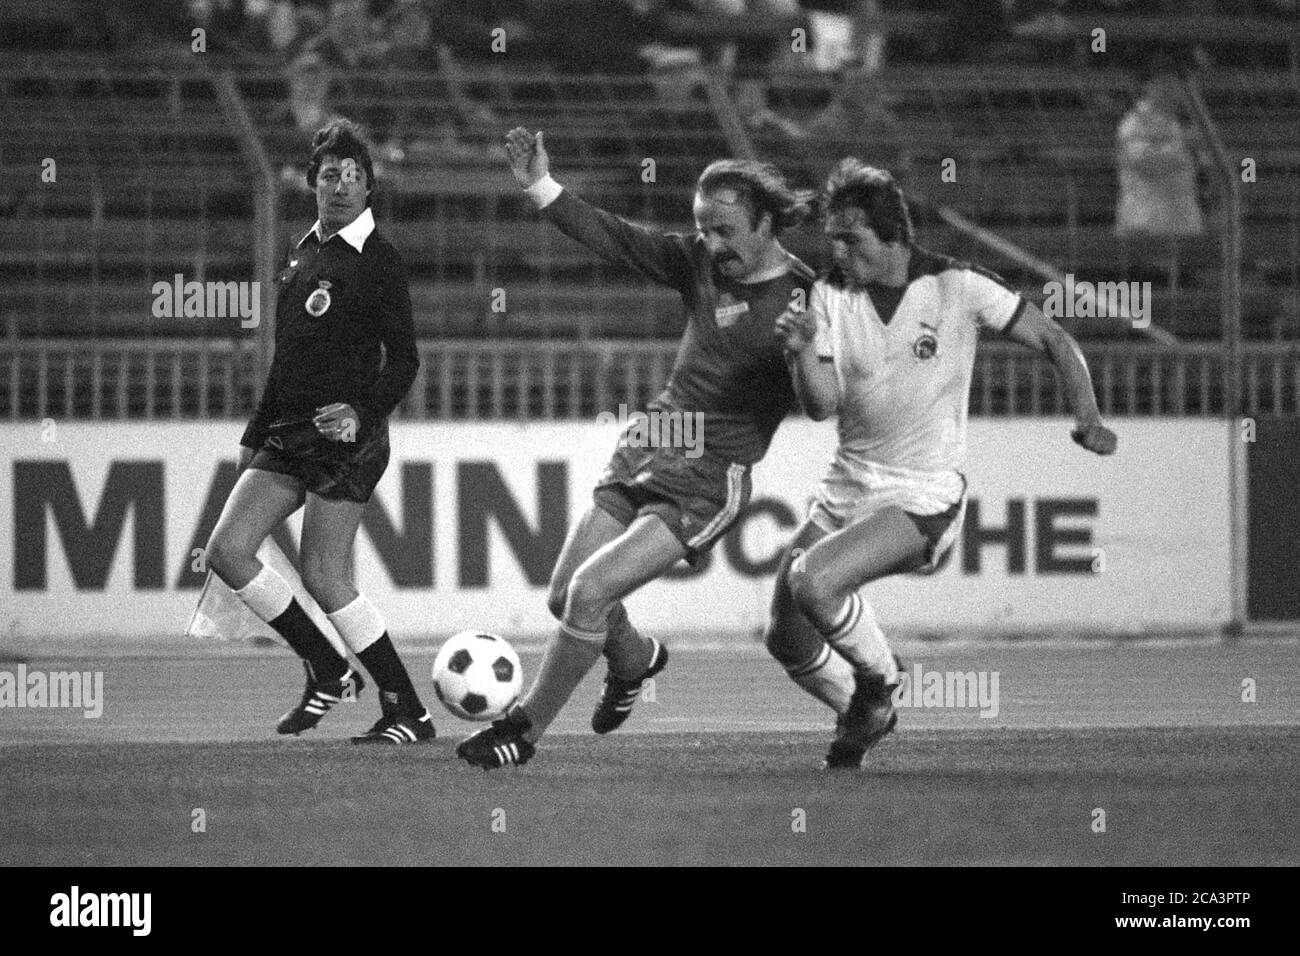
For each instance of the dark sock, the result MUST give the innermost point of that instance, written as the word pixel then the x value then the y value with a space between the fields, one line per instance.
pixel 381 659
pixel 628 652
pixel 301 633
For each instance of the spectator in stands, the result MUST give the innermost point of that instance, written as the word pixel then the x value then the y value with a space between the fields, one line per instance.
pixel 355 42
pixel 309 77
pixel 400 37
pixel 1158 208
pixel 307 71
pixel 329 40
pixel 843 34
pixel 281 24
pixel 848 46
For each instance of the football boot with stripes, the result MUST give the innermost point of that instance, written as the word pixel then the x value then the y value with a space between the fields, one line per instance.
pixel 620 694
pixel 317 699
pixel 394 729
pixel 500 745
pixel 869 718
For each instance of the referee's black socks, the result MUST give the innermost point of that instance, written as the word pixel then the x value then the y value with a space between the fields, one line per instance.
pixel 301 633
pixel 381 660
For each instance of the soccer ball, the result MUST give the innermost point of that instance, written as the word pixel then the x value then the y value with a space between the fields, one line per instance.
pixel 477 675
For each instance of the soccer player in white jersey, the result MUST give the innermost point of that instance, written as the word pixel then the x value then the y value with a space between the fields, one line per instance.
pixel 888 343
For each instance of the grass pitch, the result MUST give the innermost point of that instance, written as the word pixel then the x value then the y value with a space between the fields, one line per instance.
pixel 723 767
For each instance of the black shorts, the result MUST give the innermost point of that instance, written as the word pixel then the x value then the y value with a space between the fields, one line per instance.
pixel 699 499
pixel 334 470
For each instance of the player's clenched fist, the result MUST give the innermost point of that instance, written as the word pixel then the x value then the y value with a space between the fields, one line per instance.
pixel 796 328
pixel 1095 437
pixel 527 154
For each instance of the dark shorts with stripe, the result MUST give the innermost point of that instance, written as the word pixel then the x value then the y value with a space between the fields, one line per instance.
pixel 699 499
pixel 334 470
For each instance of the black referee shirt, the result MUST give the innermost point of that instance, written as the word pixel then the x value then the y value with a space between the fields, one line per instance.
pixel 343 331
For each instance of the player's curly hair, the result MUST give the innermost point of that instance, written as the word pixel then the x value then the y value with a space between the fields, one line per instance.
pixel 341 139
pixel 762 188
pixel 853 184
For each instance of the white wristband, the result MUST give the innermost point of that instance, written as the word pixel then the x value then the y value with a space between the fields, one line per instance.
pixel 544 191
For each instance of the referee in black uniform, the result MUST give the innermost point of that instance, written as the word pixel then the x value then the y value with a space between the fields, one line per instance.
pixel 344 357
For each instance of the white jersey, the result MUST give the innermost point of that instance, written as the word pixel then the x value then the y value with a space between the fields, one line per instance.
pixel 904 378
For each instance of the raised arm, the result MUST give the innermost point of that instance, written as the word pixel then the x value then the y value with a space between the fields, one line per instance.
pixel 661 257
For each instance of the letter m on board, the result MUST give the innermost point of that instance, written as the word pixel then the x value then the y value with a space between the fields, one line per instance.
pixel 47 487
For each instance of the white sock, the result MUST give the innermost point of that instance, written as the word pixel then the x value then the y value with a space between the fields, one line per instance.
pixel 828 677
pixel 268 595
pixel 859 638
pixel 358 623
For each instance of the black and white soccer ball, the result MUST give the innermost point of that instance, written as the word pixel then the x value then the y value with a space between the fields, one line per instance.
pixel 477 675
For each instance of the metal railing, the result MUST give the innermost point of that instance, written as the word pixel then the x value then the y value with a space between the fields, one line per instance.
pixel 178 379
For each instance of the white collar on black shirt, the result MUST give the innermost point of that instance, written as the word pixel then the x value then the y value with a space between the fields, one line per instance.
pixel 354 233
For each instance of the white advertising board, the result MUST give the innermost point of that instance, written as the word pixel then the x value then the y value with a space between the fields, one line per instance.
pixel 102 522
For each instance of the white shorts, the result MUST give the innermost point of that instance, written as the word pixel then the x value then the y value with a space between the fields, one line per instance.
pixel 851 491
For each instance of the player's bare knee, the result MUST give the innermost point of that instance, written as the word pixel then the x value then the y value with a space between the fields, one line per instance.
pixel 226 557
pixel 587 603
pixel 214 553
pixel 812 593
pixel 557 599
pixel 321 578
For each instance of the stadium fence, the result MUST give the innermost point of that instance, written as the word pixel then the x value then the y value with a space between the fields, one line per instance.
pixel 186 379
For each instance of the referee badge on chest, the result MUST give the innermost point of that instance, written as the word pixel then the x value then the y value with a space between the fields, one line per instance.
pixel 319 301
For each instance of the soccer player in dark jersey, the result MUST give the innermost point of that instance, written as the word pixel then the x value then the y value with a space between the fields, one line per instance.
pixel 655 506
pixel 344 357
pixel 888 344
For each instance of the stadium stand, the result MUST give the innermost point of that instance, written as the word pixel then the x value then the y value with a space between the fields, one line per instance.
pixel 155 178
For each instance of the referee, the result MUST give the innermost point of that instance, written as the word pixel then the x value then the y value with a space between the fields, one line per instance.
pixel 344 357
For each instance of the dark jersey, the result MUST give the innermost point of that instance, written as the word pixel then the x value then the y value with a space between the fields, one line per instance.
pixel 343 333
pixel 730 365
